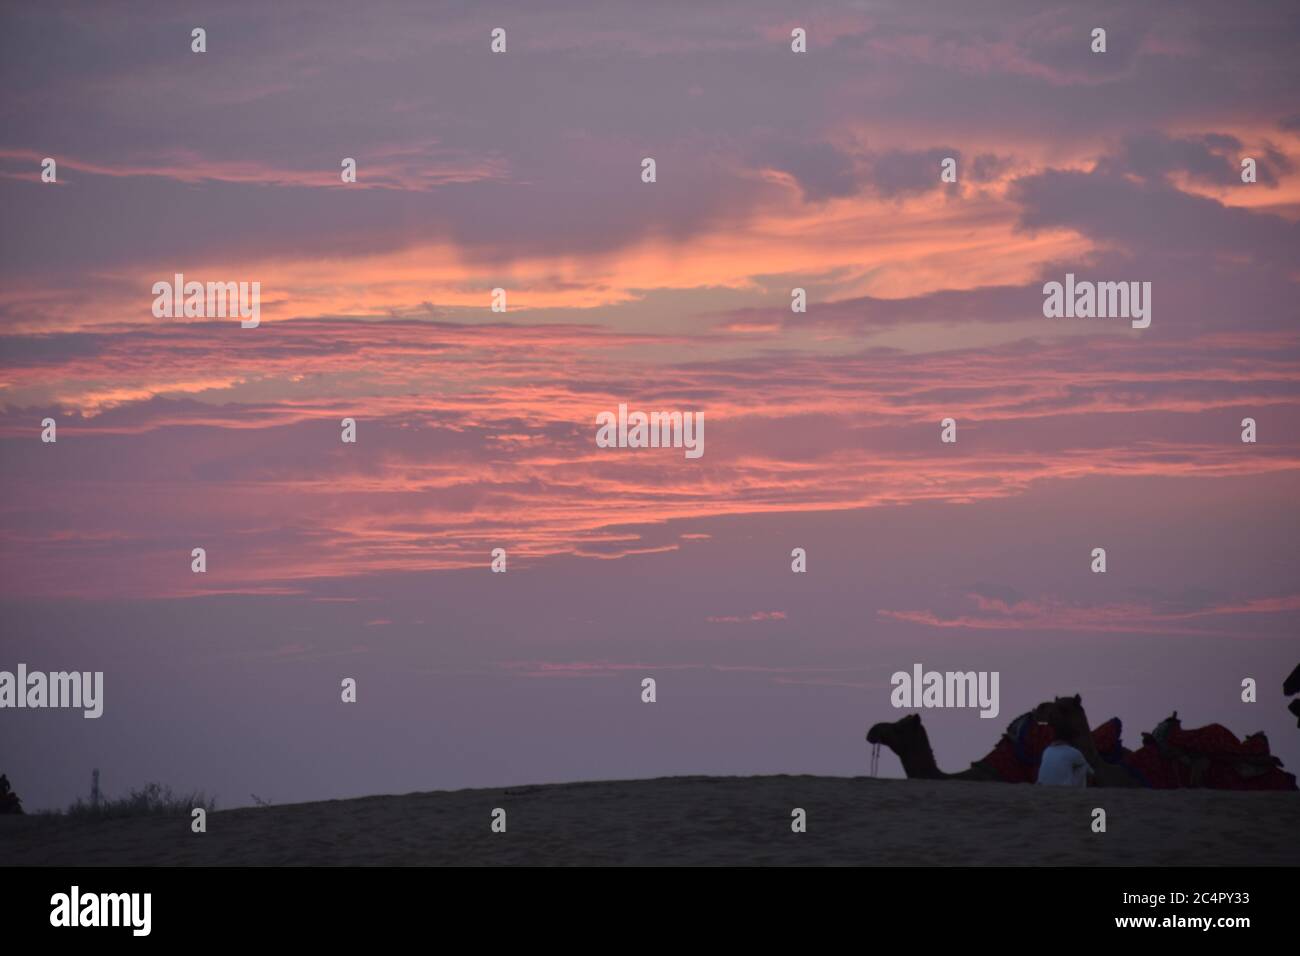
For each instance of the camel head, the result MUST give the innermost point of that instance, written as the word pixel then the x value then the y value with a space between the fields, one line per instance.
pixel 910 743
pixel 1069 712
pixel 897 736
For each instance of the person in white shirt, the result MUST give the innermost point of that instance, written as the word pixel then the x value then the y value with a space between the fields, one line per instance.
pixel 1062 764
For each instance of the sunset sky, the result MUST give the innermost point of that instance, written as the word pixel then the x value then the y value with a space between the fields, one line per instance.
pixel 475 429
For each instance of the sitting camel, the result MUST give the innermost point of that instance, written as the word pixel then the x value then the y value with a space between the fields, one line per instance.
pixel 1015 758
pixel 1108 772
pixel 908 739
pixel 1170 757
pixel 1209 756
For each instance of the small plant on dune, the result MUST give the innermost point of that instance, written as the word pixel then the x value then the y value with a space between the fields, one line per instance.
pixel 153 799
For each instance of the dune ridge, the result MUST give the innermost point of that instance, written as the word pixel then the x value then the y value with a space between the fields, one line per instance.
pixel 698 820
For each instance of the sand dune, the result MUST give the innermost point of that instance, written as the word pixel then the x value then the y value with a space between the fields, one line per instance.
pixel 701 821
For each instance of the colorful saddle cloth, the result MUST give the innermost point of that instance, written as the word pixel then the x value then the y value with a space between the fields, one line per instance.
pixel 1210 756
pixel 1170 757
pixel 1016 757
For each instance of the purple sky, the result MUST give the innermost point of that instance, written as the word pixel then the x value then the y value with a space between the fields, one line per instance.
pixel 476 429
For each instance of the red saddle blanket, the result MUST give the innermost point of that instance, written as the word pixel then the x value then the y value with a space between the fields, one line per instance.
pixel 1210 756
pixel 1170 758
pixel 1016 757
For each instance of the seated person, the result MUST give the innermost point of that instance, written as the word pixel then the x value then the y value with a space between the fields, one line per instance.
pixel 1062 764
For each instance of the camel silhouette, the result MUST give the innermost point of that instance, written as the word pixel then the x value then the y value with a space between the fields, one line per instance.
pixel 1170 757
pixel 911 744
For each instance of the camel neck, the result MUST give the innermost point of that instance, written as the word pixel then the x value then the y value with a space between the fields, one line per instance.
pixel 919 760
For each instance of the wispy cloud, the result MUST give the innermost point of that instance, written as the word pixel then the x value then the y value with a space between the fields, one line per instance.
pixel 1049 614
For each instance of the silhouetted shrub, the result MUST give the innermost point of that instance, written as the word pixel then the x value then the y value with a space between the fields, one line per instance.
pixel 9 802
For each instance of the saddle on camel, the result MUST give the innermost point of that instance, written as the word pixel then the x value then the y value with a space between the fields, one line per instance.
pixel 1169 758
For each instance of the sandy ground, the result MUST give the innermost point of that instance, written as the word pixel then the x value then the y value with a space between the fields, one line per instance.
pixel 701 821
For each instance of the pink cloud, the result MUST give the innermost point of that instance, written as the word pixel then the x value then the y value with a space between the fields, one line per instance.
pixel 1048 614
pixel 756 616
